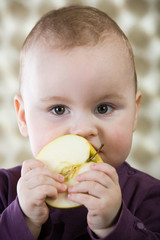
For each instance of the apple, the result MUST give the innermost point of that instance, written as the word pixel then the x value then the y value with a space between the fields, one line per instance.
pixel 68 155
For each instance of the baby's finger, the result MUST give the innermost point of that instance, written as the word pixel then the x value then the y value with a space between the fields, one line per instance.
pixel 89 187
pixel 36 167
pixel 41 180
pixel 42 192
pixel 97 177
pixel 46 172
pixel 88 201
pixel 30 164
pixel 41 176
pixel 107 169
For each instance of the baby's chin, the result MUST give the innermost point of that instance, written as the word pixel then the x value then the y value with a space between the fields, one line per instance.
pixel 114 163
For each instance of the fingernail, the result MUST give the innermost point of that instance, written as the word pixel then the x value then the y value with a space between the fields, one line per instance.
pixel 69 196
pixel 70 189
pixel 78 177
pixel 93 165
pixel 64 187
pixel 61 178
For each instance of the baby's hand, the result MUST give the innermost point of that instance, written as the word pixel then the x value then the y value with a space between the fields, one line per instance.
pixel 100 192
pixel 36 183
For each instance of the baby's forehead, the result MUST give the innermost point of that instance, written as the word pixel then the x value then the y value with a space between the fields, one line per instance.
pixel 110 43
pixel 42 53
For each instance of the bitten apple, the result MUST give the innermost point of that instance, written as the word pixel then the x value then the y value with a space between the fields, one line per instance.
pixel 68 155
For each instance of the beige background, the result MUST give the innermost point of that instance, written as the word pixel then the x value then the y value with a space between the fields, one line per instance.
pixel 139 19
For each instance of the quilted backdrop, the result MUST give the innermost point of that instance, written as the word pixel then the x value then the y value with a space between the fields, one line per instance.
pixel 139 19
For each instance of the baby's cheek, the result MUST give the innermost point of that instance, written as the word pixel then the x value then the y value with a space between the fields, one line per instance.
pixel 121 142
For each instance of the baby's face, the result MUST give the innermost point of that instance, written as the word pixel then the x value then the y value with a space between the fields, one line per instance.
pixel 88 91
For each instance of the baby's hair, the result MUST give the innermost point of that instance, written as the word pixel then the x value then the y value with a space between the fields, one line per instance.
pixel 74 26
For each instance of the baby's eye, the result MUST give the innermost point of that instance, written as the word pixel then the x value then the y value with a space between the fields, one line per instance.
pixel 104 109
pixel 59 110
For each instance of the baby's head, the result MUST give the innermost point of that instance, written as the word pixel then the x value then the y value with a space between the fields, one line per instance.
pixel 75 26
pixel 77 76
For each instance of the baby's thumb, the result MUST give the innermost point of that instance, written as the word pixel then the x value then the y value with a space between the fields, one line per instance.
pixel 30 164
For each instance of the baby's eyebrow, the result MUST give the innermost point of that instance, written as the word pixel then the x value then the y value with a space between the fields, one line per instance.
pixel 112 96
pixel 54 98
pixel 64 99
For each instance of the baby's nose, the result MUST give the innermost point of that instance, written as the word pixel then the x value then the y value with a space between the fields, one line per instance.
pixel 84 127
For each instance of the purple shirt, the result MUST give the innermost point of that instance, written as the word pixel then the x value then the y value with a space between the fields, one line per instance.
pixel 139 218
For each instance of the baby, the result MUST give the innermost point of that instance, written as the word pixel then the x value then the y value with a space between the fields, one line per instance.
pixel 77 76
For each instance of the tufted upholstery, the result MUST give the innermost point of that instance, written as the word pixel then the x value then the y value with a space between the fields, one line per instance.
pixel 139 19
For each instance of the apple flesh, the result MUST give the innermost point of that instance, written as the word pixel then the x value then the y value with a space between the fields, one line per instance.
pixel 68 155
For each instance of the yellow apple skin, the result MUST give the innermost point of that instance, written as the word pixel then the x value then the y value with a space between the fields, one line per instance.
pixel 68 155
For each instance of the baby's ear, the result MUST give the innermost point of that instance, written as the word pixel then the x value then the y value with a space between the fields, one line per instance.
pixel 138 100
pixel 20 111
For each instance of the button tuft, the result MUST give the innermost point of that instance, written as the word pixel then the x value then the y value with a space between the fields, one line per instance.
pixel 140 226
